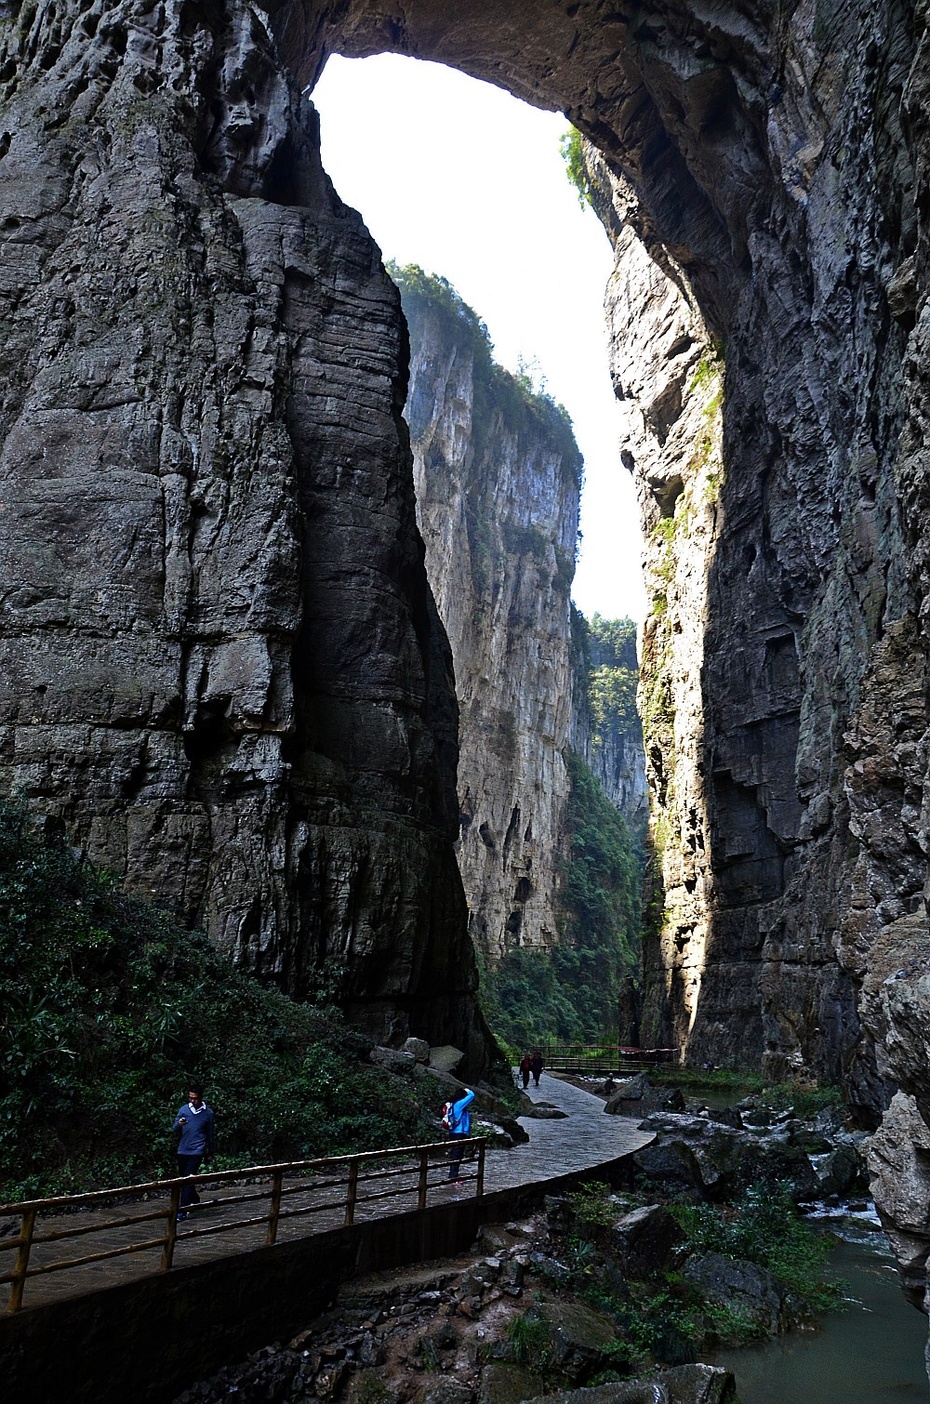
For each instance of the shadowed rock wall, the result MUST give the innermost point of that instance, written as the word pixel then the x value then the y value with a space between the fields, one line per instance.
pixel 774 165
pixel 221 667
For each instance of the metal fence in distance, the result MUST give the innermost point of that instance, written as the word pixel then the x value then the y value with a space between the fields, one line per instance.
pixel 603 1059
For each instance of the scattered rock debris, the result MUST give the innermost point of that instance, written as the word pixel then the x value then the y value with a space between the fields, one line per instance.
pixel 444 1333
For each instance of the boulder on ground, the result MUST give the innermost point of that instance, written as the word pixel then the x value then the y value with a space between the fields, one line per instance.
pixel 683 1384
pixel 419 1048
pixel 692 1153
pixel 445 1058
pixel 394 1059
pixel 739 1286
pixel 503 1382
pixel 698 1384
pixel 632 1090
pixel 517 1133
pixel 445 1389
pixel 580 1338
pixel 620 1392
pixel 843 1171
pixel 724 1116
pixel 637 1097
pixel 544 1111
pixel 645 1240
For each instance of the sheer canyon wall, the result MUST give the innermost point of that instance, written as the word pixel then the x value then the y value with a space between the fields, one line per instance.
pixel 498 476
pixel 222 669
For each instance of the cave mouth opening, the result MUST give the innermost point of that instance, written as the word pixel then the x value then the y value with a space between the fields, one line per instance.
pixel 467 181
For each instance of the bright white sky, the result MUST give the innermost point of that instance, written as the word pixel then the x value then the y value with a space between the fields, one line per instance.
pixel 465 180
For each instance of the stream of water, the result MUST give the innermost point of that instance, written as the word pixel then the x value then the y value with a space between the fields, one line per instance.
pixel 870 1352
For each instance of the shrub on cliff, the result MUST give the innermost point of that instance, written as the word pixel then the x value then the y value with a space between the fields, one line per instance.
pixel 107 1006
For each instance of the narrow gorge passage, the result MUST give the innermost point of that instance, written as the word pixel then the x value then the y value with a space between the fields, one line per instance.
pixel 224 678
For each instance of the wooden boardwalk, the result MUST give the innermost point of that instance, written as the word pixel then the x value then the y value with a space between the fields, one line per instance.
pixel 232 1219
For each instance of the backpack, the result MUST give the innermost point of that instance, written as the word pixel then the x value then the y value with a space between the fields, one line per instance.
pixel 449 1119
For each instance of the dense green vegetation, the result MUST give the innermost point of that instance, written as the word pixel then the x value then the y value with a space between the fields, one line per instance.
pixel 804 1099
pixel 522 407
pixel 572 153
pixel 765 1228
pixel 108 1006
pixel 613 676
pixel 572 992
pixel 662 1315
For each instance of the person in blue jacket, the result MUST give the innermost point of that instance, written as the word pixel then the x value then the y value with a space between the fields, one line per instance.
pixel 459 1121
pixel 196 1129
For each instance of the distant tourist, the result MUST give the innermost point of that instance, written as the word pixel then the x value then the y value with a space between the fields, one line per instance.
pixel 526 1065
pixel 196 1130
pixel 458 1121
pixel 536 1066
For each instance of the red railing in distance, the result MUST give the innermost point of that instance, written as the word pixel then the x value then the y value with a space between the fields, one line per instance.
pixel 604 1058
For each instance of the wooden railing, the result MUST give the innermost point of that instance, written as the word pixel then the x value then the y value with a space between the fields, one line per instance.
pixel 339 1185
pixel 597 1058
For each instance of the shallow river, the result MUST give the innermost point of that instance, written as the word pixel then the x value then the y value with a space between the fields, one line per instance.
pixel 872 1352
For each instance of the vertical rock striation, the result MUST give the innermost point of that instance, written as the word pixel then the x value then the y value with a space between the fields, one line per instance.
pixel 221 667
pixel 498 476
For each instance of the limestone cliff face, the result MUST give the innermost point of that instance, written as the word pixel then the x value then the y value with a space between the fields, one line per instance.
pixel 606 728
pixel 221 666
pixel 497 477
pixel 201 388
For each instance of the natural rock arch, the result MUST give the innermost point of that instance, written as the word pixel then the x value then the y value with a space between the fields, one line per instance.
pixel 223 671
pixel 770 165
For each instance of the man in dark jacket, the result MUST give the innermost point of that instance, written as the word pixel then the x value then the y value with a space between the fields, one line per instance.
pixel 197 1131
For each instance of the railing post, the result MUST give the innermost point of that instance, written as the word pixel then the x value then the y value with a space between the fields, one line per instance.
pixel 479 1186
pixel 174 1209
pixel 274 1213
pixel 27 1226
pixel 421 1187
pixel 351 1192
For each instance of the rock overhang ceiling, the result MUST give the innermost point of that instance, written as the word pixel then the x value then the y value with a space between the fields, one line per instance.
pixel 675 97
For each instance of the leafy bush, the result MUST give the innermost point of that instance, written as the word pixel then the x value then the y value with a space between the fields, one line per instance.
pixel 572 153
pixel 594 1204
pixel 764 1228
pixel 108 1007
pixel 805 1099
pixel 663 1316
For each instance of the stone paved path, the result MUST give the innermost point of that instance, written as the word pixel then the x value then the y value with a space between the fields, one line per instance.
pixel 583 1139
